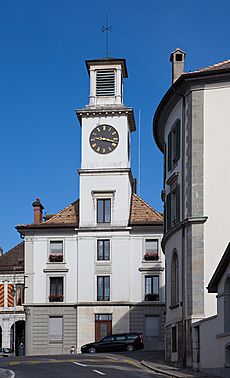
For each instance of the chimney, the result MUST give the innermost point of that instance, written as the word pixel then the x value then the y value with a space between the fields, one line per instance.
pixel 37 211
pixel 177 58
pixel 1 252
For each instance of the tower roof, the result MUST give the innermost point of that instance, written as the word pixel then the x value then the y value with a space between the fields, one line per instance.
pixel 108 61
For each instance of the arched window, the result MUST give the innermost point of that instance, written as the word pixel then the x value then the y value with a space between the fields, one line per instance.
pixel 174 278
pixel 227 305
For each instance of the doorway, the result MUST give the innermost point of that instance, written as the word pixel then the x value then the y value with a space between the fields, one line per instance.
pixel 19 333
pixel 103 325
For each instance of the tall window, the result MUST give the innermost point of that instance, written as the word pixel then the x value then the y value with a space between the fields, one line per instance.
pixel 19 294
pixel 55 329
pixel 174 279
pixel 227 305
pixel 151 249
pixel 152 288
pixel 103 249
pixel 174 339
pixel 174 144
pixel 56 251
pixel 173 207
pixel 103 288
pixel 104 210
pixel 56 289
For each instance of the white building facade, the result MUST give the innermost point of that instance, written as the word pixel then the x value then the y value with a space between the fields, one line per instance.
pixel 96 267
pixel 190 128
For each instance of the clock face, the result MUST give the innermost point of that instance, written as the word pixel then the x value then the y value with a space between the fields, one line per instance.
pixel 104 139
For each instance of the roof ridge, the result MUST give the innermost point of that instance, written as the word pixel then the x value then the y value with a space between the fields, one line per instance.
pixel 212 66
pixel 147 204
pixel 60 212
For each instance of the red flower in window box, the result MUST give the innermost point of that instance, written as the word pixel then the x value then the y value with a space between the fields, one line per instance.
pixel 151 256
pixel 55 258
pixel 56 297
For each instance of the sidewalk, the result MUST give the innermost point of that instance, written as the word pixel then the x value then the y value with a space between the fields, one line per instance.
pixel 172 371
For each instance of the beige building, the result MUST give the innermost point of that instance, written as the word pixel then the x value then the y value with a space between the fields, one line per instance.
pixel 191 129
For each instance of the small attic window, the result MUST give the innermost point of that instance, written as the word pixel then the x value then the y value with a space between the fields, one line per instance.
pixel 105 83
pixel 178 58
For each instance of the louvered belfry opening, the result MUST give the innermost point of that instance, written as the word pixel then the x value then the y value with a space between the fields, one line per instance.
pixel 105 83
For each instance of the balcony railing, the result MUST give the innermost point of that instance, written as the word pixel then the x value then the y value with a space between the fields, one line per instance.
pixel 151 297
pixel 55 258
pixel 56 297
pixel 153 256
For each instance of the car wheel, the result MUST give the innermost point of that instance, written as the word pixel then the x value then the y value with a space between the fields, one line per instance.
pixel 130 348
pixel 92 350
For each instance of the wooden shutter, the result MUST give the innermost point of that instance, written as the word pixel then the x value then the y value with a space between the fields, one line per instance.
pixel 10 296
pixel 168 211
pixel 169 150
pixel 1 295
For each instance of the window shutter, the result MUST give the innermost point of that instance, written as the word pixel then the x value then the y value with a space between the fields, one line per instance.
pixel 168 211
pixel 177 203
pixel 177 152
pixel 105 83
pixel 169 150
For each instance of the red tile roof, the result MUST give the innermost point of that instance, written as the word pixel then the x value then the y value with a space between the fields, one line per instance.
pixel 14 257
pixel 218 66
pixel 140 213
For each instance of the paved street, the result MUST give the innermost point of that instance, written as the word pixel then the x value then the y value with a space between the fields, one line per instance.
pixel 111 365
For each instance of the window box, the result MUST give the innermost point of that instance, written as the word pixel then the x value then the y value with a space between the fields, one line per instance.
pixel 151 297
pixel 153 256
pixel 56 298
pixel 55 258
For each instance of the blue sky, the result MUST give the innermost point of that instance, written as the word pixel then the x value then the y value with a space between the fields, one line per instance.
pixel 43 79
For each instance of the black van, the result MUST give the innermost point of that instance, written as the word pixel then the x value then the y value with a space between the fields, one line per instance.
pixel 115 343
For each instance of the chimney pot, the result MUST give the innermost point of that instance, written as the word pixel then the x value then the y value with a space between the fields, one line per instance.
pixel 37 211
pixel 177 58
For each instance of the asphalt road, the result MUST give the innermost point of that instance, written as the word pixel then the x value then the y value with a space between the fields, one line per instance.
pixel 80 365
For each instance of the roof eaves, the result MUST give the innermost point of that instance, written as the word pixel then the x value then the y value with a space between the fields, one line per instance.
pixel 222 266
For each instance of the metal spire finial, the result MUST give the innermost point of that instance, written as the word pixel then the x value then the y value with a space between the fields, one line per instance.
pixel 107 28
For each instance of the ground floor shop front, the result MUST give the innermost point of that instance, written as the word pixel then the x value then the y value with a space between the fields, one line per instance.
pixel 56 329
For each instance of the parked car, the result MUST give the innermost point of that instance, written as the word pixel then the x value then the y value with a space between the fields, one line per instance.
pixel 115 343
pixel 6 352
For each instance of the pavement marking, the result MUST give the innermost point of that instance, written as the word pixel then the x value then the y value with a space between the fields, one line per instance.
pixel 12 363
pixel 98 372
pixel 78 363
pixel 112 358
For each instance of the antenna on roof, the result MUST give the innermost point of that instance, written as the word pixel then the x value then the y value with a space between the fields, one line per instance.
pixel 107 28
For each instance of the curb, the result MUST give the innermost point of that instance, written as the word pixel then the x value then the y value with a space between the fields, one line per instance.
pixel 171 371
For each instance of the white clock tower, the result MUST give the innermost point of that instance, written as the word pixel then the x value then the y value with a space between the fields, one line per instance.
pixel 105 175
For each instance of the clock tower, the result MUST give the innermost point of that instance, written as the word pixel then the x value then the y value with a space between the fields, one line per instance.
pixel 105 173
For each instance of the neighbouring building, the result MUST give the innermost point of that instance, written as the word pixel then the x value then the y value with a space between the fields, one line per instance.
pixel 96 267
pixel 212 335
pixel 190 128
pixel 12 298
